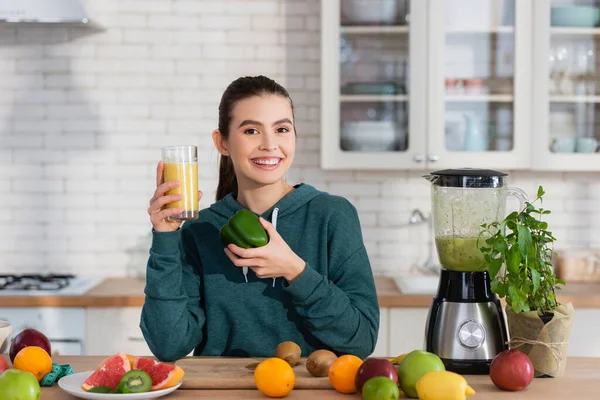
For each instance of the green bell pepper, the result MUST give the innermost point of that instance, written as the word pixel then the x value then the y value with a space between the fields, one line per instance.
pixel 244 230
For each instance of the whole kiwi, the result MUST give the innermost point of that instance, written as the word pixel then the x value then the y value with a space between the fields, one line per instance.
pixel 319 361
pixel 289 351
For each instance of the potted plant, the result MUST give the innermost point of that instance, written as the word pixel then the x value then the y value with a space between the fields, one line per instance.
pixel 519 252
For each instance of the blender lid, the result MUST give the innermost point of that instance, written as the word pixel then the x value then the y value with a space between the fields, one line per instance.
pixel 467 178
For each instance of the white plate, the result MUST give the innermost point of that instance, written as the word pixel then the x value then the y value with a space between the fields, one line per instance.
pixel 72 385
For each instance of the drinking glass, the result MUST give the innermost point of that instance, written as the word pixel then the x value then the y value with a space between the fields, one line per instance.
pixel 181 164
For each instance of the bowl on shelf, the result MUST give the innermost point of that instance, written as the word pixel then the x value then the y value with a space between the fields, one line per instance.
pixel 370 136
pixel 585 17
pixel 374 12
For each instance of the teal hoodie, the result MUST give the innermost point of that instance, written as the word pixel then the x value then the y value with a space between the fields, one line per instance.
pixel 196 299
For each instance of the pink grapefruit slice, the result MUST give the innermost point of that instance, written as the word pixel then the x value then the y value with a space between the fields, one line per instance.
pixel 108 373
pixel 163 375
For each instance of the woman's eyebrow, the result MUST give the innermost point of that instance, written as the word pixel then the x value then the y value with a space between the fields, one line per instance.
pixel 253 122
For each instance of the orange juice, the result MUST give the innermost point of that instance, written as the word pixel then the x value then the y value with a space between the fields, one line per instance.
pixel 187 175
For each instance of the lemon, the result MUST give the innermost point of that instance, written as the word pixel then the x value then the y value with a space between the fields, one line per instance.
pixel 443 385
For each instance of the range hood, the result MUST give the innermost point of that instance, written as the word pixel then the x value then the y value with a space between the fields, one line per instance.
pixel 43 12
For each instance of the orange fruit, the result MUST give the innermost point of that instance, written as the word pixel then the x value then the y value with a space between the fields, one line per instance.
pixel 33 359
pixel 274 377
pixel 342 373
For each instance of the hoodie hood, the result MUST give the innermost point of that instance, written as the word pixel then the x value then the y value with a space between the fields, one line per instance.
pixel 297 198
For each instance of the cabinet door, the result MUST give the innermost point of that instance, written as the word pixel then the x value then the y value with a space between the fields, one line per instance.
pixel 479 101
pixel 382 349
pixel 373 79
pixel 112 330
pixel 566 85
pixel 407 329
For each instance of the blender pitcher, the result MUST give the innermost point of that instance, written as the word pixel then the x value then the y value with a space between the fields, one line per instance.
pixel 465 326
pixel 462 200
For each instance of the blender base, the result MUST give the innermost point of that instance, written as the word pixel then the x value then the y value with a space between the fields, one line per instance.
pixel 468 367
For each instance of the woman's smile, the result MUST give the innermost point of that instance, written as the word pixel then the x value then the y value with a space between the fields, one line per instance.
pixel 267 163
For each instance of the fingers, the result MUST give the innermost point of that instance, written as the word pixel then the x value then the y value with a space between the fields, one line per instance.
pixel 158 203
pixel 199 196
pixel 267 225
pixel 163 188
pixel 245 253
pixel 159 173
pixel 262 273
pixel 244 262
pixel 164 214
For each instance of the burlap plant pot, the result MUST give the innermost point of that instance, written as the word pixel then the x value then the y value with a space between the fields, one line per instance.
pixel 546 344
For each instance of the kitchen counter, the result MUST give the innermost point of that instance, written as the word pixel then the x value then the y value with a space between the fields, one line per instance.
pixel 129 292
pixel 580 382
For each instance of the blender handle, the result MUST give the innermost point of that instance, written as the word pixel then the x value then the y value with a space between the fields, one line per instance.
pixel 519 194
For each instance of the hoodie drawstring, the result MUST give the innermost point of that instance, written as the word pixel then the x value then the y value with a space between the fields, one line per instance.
pixel 274 223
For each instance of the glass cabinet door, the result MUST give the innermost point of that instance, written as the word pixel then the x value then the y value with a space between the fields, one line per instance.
pixel 477 83
pixel 568 122
pixel 371 109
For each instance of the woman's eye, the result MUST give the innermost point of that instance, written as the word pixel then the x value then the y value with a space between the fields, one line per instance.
pixel 283 130
pixel 251 131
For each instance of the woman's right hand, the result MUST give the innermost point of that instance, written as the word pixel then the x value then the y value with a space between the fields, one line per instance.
pixel 158 212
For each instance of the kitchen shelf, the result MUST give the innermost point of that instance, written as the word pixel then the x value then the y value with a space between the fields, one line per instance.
pixel 487 98
pixel 473 31
pixel 362 98
pixel 574 99
pixel 574 31
pixel 379 29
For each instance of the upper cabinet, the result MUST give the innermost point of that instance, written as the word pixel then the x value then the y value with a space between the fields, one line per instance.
pixel 479 59
pixel 566 87
pixel 420 84
pixel 373 83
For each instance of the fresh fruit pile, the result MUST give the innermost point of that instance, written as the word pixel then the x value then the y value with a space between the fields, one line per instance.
pixel 122 373
pixel 419 374
pixel 30 355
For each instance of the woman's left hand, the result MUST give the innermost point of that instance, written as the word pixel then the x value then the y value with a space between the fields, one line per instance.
pixel 273 260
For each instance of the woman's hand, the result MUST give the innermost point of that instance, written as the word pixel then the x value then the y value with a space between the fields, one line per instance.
pixel 273 260
pixel 158 212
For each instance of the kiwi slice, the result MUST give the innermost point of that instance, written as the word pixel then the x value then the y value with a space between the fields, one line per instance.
pixel 136 381
pixel 100 389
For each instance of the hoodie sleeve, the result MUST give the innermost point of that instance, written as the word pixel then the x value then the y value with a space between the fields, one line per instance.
pixel 172 318
pixel 341 310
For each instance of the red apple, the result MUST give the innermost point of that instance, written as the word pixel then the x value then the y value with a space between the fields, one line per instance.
pixel 372 367
pixel 29 337
pixel 511 370
pixel 3 365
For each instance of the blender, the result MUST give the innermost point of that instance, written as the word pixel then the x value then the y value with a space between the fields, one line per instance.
pixel 465 326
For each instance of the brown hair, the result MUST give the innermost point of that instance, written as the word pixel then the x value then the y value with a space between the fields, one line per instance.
pixel 237 90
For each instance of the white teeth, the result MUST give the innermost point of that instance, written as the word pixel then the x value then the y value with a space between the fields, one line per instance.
pixel 266 162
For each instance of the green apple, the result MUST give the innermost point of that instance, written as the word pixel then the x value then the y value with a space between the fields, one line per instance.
pixel 19 385
pixel 416 364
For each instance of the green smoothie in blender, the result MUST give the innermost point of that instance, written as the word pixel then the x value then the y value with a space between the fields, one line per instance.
pixel 460 253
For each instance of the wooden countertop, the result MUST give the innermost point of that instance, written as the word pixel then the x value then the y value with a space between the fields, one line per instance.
pixel 129 292
pixel 580 382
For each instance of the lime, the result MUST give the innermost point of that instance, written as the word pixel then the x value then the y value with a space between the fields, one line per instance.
pixel 100 389
pixel 380 388
pixel 416 364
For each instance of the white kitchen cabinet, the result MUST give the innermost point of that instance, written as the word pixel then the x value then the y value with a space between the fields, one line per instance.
pixel 565 127
pixel 585 341
pixel 112 330
pixel 373 84
pixel 432 84
pixel 407 329
pixel 382 347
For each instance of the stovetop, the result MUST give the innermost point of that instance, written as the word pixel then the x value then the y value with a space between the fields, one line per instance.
pixel 46 284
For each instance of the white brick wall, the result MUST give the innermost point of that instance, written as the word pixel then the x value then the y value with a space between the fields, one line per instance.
pixel 84 114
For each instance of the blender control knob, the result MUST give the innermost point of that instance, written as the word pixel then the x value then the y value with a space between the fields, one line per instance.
pixel 434 157
pixel 471 334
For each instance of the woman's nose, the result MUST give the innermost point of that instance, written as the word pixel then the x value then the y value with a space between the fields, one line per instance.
pixel 268 143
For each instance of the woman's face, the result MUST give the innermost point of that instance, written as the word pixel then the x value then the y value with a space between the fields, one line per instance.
pixel 262 140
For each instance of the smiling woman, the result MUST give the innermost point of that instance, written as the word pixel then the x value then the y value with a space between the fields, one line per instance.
pixel 311 283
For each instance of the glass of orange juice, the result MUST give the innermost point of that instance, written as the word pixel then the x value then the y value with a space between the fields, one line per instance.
pixel 181 164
